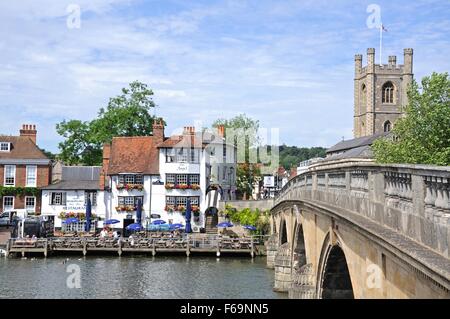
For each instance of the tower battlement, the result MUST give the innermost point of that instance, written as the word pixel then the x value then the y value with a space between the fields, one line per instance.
pixel 380 92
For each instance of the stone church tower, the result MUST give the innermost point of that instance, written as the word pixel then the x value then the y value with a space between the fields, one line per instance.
pixel 380 92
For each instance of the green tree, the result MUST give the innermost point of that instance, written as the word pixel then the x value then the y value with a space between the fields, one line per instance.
pixel 79 147
pixel 422 136
pixel 242 124
pixel 246 175
pixel 127 114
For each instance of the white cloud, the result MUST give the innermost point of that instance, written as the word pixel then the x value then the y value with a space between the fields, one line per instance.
pixel 289 64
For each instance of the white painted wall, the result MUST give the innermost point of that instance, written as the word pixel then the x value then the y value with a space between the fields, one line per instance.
pixel 74 203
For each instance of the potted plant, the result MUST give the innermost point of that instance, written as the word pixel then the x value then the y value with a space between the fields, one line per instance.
pixel 169 186
pixel 195 186
pixel 169 208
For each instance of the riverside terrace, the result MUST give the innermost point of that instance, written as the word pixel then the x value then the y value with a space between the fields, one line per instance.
pixel 155 243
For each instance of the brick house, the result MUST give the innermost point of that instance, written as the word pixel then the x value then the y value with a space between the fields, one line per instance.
pixel 24 169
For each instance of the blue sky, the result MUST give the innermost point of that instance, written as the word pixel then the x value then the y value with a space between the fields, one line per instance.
pixel 288 64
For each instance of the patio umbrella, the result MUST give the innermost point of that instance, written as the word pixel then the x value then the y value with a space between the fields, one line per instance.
pixel 224 225
pixel 188 217
pixel 139 212
pixel 71 220
pixel 111 221
pixel 88 214
pixel 158 222
pixel 250 227
pixel 134 226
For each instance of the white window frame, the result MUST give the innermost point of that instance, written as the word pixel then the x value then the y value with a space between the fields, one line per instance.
pixel 62 200
pixel 34 203
pixel 6 175
pixel 183 179
pixel 35 176
pixel 2 144
pixel 4 199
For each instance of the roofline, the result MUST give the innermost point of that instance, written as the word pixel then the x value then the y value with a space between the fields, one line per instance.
pixel 12 161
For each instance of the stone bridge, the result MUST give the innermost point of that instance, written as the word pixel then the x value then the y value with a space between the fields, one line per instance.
pixel 356 229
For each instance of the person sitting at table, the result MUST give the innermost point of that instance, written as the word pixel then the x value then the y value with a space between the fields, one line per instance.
pixel 103 233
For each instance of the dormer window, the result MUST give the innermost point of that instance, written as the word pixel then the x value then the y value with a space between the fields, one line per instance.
pixel 5 146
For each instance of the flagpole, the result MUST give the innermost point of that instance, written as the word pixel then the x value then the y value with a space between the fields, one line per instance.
pixel 381 43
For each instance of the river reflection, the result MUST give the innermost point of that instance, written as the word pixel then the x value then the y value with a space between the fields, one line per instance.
pixel 137 277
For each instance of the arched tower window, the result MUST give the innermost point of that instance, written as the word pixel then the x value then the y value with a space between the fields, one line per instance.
pixel 387 126
pixel 388 93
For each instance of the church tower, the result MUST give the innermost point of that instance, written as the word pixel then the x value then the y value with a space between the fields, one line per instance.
pixel 380 92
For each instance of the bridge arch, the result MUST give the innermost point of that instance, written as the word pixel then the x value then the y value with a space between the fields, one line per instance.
pixel 299 247
pixel 283 232
pixel 334 280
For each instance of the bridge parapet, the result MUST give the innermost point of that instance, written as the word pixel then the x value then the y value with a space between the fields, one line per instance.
pixel 411 199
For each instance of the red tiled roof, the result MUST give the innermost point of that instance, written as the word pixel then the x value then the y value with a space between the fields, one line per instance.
pixel 22 148
pixel 138 154
pixel 196 141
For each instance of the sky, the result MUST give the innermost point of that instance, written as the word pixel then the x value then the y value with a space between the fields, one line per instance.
pixel 288 64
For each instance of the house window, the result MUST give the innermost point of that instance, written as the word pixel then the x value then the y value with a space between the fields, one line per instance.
pixel 131 179
pixel 170 155
pixel 30 204
pixel 139 179
pixel 182 200
pixel 10 175
pixel 182 179
pixel 93 196
pixel 8 202
pixel 194 200
pixel 58 198
pixel 5 147
pixel 387 126
pixel 130 200
pixel 31 176
pixel 171 200
pixel 170 178
pixel 182 155
pixel 194 179
pixel 388 93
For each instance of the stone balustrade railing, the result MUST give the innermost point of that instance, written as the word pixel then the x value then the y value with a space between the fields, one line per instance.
pixel 411 199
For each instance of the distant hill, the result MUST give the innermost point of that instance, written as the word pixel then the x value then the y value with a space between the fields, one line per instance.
pixel 291 156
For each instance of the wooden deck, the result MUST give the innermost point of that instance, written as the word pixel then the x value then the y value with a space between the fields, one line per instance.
pixel 186 245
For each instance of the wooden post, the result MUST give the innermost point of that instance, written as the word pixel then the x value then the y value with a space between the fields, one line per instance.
pixel 84 247
pixel 253 249
pixel 218 247
pixel 188 252
pixel 153 248
pixel 8 246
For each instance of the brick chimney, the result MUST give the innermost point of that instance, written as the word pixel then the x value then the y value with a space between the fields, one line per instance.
pixel 189 130
pixel 158 131
pixel 221 130
pixel 105 165
pixel 29 130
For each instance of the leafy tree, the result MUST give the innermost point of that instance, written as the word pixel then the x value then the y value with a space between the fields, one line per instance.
pixel 127 114
pixel 238 125
pixel 49 154
pixel 79 146
pixel 246 175
pixel 422 136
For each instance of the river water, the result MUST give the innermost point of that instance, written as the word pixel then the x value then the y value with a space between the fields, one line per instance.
pixel 136 277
